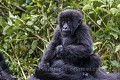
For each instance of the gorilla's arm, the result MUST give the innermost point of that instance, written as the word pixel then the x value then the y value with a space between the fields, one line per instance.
pixel 82 49
pixel 49 53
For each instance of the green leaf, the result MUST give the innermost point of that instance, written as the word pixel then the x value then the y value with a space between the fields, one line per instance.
pixel 86 7
pixel 95 45
pixel 115 63
pixel 39 4
pixel 29 7
pixel 29 23
pixel 104 6
pixel 10 22
pixel 99 22
pixel 11 15
pixel 36 28
pixel 6 46
pixel 30 51
pixel 5 29
pixel 115 29
pixel 114 11
pixel 117 48
pixel 118 6
pixel 2 22
pixel 34 44
pixel 115 35
pixel 30 30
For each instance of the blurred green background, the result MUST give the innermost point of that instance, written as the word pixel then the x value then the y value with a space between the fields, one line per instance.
pixel 26 27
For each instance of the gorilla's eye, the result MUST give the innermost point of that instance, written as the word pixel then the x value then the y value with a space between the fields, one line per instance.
pixel 80 21
pixel 68 21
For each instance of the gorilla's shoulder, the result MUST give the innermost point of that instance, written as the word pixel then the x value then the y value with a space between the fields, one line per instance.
pixel 57 29
pixel 84 27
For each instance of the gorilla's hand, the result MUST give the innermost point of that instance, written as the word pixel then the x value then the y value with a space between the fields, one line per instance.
pixel 43 67
pixel 59 50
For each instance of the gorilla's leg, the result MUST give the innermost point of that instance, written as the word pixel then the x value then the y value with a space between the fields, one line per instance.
pixel 92 64
pixel 52 73
pixel 60 71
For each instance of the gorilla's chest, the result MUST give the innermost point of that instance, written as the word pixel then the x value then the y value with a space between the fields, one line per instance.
pixel 68 40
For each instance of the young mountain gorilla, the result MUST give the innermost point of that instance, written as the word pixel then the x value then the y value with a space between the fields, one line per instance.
pixel 69 55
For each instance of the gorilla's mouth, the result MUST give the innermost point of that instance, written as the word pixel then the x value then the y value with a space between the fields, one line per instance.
pixel 66 33
pixel 66 30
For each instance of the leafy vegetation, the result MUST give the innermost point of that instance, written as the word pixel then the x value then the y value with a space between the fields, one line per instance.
pixel 26 27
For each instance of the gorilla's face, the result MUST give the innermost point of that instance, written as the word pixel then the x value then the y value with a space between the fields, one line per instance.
pixel 66 25
pixel 69 21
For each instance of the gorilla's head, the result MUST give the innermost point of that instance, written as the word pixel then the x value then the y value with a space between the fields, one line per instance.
pixel 69 20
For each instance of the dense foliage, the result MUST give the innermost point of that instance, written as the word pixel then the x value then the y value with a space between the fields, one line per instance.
pixel 26 27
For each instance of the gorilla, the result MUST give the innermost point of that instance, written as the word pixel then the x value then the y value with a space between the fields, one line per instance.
pixel 69 55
